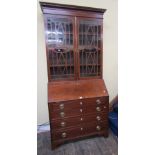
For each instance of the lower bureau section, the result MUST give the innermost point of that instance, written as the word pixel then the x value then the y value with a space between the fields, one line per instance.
pixel 84 130
pixel 77 109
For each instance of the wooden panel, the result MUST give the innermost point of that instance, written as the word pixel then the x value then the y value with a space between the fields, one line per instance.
pixel 73 90
pixel 75 121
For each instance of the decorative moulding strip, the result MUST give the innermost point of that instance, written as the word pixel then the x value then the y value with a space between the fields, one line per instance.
pixel 72 7
pixel 78 13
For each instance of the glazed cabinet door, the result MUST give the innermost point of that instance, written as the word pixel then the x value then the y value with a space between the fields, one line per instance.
pixel 89 47
pixel 59 33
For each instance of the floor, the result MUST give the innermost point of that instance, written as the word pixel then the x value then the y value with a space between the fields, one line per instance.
pixel 91 146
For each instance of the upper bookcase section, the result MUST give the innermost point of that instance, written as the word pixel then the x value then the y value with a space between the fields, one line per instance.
pixel 80 11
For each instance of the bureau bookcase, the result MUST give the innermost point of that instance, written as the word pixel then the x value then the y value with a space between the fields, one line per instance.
pixel 78 100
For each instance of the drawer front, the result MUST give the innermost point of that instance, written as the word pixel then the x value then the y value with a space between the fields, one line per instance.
pixel 87 129
pixel 78 103
pixel 74 121
pixel 78 111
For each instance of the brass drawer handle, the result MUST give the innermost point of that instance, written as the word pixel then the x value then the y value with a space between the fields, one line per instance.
pixel 81 103
pixel 63 135
pixel 61 106
pixel 105 107
pixel 98 101
pixel 98 118
pixel 63 124
pixel 81 119
pixel 62 114
pixel 98 128
pixel 81 129
pixel 81 110
pixel 98 109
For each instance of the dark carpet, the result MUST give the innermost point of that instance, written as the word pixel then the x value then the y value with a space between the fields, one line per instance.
pixel 91 146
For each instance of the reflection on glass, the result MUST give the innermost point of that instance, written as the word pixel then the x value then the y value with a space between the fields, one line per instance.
pixel 59 31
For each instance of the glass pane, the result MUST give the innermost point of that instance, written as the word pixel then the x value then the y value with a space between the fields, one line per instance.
pixel 59 31
pixel 90 47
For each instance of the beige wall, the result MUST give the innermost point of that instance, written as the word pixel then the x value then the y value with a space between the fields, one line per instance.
pixel 110 59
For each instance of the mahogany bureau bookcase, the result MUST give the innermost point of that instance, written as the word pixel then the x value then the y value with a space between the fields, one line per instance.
pixel 78 100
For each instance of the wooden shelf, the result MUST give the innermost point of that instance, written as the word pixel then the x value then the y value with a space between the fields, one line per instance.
pixel 62 65
pixel 89 74
pixel 89 64
pixel 89 33
pixel 67 33
pixel 88 47
pixel 60 77
pixel 68 47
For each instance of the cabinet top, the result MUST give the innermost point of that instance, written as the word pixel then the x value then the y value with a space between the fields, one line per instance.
pixel 73 90
pixel 71 7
